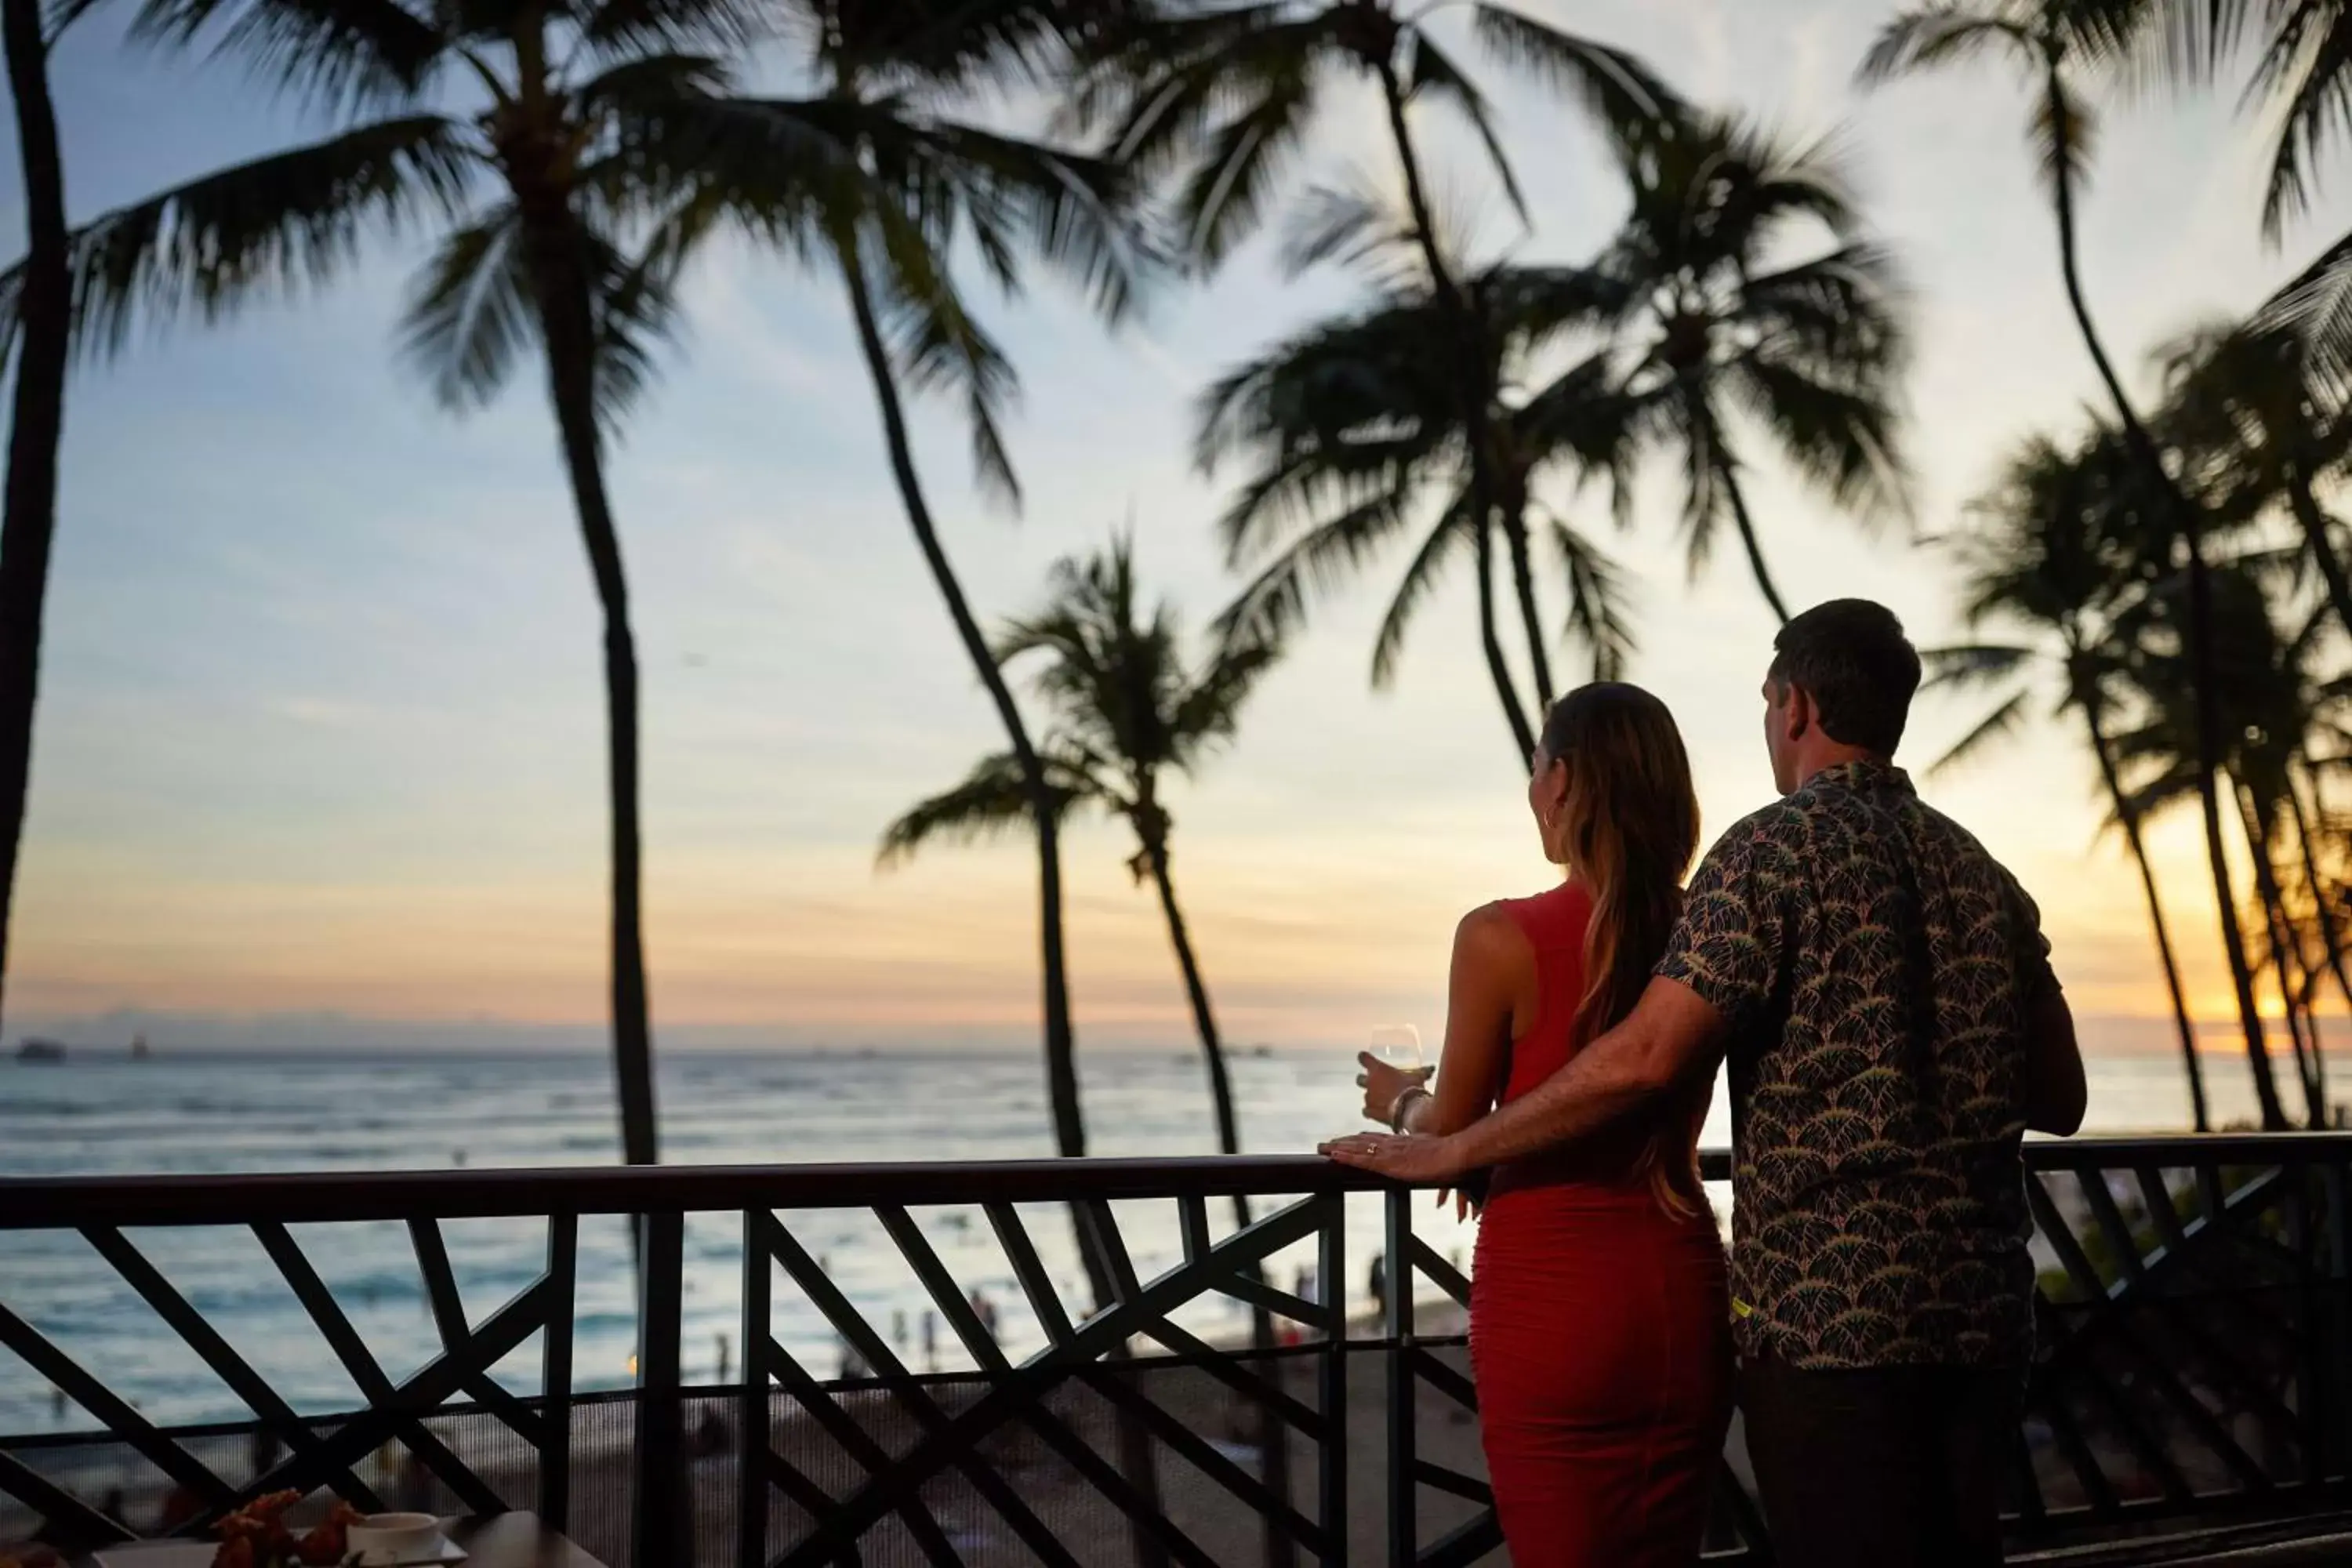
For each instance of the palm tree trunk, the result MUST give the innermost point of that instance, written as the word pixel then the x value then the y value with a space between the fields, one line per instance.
pixel 1751 543
pixel 1061 1053
pixel 1469 339
pixel 2201 625
pixel 1513 514
pixel 2286 952
pixel 29 524
pixel 568 328
pixel 2315 538
pixel 1274 1445
pixel 2087 699
pixel 1061 1056
pixel 2324 909
pixel 1523 735
pixel 1204 1020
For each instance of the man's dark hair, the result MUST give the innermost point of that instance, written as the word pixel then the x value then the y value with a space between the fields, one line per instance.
pixel 1851 655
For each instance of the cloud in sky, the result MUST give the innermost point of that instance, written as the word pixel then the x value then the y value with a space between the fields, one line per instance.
pixel 322 724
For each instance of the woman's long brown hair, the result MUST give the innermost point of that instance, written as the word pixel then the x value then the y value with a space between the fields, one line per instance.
pixel 1630 828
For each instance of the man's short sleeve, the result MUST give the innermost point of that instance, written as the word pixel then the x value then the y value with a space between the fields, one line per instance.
pixel 2036 981
pixel 1729 945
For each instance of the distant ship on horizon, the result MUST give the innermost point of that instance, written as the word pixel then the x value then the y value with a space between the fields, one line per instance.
pixel 40 1050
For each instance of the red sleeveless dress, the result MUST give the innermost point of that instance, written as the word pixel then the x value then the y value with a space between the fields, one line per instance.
pixel 1600 1325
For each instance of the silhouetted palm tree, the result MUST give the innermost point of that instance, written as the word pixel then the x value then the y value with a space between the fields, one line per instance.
pixel 43 311
pixel 1713 325
pixel 1126 710
pixel 892 75
pixel 2242 412
pixel 2272 697
pixel 2050 39
pixel 1225 94
pixel 2302 81
pixel 2037 556
pixel 601 139
pixel 1354 429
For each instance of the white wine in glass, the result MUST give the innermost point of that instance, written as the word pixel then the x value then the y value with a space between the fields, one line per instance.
pixel 1399 1045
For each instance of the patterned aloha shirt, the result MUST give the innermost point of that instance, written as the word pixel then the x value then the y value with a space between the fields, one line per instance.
pixel 1877 967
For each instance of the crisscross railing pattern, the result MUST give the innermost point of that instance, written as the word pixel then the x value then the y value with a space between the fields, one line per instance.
pixel 2195 1364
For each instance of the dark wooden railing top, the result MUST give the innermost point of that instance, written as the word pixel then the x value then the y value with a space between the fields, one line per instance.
pixel 51 1203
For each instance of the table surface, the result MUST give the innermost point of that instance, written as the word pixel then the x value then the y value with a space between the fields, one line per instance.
pixel 501 1540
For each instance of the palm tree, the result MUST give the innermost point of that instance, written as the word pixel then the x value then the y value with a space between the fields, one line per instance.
pixel 2303 79
pixel 28 510
pixel 958 183
pixel 2050 39
pixel 2043 560
pixel 1352 428
pixel 1126 710
pixel 1224 95
pixel 1708 316
pixel 2241 409
pixel 2273 700
pixel 602 141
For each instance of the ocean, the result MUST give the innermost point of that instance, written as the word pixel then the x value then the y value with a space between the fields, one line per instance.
pixel 106 1114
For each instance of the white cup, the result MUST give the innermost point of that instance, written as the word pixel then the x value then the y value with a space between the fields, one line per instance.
pixel 387 1538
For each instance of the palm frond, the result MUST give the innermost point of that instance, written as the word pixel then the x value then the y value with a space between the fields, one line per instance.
pixel 350 53
pixel 2315 305
pixel 1078 214
pixel 1843 308
pixel 1599 603
pixel 1208 710
pixel 643 84
pixel 1995 726
pixel 635 302
pixel 2308 60
pixel 1844 439
pixel 471 313
pixel 268 227
pixel 1936 36
pixel 1227 193
pixel 1276 602
pixel 1968 665
pixel 1333 222
pixel 1629 101
pixel 991 801
pixel 626 32
pixel 1436 76
pixel 1449 538
pixel 935 342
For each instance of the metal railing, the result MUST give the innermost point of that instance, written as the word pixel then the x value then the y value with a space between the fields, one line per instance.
pixel 2195 1364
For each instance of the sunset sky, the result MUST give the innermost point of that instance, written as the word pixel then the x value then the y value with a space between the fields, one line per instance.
pixel 321 744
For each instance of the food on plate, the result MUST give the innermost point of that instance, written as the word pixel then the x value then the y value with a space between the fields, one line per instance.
pixel 257 1536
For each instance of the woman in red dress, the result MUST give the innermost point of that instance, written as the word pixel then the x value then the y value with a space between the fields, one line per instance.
pixel 1600 1322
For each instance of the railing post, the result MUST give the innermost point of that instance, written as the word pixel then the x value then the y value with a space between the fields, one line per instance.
pixel 751 1407
pixel 2339 1278
pixel 1331 1267
pixel 555 1371
pixel 662 1523
pixel 1404 1529
pixel 2311 1357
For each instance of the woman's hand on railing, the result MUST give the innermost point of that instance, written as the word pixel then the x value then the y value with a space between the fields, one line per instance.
pixel 1400 1157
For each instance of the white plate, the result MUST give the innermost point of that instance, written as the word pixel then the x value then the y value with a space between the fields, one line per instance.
pixel 444 1550
pixel 199 1554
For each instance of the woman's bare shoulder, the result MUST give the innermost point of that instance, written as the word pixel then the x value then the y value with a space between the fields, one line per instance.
pixel 1491 931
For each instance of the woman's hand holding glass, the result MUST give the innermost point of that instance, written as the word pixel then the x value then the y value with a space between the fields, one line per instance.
pixel 1390 1066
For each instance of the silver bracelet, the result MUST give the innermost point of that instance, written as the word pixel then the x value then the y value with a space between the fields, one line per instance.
pixel 1404 1098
